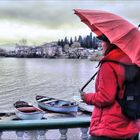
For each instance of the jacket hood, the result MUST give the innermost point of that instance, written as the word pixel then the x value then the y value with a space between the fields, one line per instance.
pixel 117 55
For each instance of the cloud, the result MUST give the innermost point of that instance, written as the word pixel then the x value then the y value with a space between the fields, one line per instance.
pixel 45 13
pixel 53 19
pixel 15 31
pixel 55 13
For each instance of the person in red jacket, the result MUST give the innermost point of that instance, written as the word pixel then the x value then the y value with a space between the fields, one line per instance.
pixel 107 121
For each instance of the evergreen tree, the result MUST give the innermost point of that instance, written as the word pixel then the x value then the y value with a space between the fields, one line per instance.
pixel 80 40
pixel 75 39
pixel 59 42
pixel 62 43
pixel 91 40
pixel 93 43
pixel 84 42
pixel 96 42
pixel 71 41
pixel 66 41
pixel 90 35
pixel 88 41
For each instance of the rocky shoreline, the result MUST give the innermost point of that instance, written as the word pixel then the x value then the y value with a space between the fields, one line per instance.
pixel 52 50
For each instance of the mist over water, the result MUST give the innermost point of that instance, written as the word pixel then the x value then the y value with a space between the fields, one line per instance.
pixel 24 78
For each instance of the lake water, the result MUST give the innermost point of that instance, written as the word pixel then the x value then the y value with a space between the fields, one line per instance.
pixel 24 78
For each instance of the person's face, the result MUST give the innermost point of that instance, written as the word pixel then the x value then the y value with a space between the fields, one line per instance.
pixel 104 46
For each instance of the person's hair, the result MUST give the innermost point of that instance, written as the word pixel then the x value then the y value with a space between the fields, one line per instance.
pixel 110 48
pixel 103 38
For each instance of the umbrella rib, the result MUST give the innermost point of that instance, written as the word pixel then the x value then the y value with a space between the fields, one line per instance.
pixel 129 32
pixel 105 21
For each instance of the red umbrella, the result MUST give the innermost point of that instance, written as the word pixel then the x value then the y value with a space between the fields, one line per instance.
pixel 118 30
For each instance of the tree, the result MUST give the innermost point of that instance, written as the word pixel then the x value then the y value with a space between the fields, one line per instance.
pixel 59 42
pixel 66 41
pixel 75 39
pixel 62 43
pixel 71 41
pixel 80 40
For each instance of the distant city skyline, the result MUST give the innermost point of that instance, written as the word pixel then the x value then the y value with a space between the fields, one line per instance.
pixel 40 21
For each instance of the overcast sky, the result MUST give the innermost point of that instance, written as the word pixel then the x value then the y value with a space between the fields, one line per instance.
pixel 41 21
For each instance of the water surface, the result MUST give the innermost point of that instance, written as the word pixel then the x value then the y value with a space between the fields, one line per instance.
pixel 24 78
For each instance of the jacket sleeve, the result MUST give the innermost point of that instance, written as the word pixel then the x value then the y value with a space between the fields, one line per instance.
pixel 106 88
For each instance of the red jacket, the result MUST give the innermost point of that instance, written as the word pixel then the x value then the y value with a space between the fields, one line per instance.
pixel 107 118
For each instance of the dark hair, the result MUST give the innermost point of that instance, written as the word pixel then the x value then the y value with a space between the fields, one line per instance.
pixel 110 48
pixel 103 37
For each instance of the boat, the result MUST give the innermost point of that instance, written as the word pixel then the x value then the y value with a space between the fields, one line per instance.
pixel 56 105
pixel 27 111
pixel 84 107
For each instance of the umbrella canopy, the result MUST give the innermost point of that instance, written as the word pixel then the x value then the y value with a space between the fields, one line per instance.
pixel 117 29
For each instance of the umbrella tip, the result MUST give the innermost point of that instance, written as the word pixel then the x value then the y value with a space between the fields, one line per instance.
pixel 75 11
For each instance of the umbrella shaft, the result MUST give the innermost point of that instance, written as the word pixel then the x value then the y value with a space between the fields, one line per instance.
pixel 88 81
